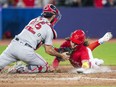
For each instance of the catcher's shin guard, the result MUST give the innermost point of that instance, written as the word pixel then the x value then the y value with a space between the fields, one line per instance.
pixel 21 68
pixel 37 69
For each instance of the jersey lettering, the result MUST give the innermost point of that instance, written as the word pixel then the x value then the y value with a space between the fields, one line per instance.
pixel 30 29
pixel 37 26
pixel 33 21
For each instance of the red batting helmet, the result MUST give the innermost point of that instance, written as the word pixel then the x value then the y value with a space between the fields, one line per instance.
pixel 50 10
pixel 78 36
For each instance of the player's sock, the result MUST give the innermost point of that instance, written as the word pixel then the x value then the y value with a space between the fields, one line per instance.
pixel 93 45
pixel 105 38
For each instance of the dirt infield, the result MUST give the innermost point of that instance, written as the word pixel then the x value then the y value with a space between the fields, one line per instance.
pixel 64 79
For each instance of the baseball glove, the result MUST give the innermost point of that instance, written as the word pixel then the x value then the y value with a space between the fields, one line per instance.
pixel 64 49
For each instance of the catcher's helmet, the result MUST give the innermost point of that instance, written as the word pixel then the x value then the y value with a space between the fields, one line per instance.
pixel 49 10
pixel 78 36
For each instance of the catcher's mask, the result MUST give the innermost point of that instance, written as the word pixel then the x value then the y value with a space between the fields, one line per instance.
pixel 78 37
pixel 49 10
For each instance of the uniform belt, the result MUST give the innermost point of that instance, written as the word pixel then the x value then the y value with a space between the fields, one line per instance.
pixel 26 44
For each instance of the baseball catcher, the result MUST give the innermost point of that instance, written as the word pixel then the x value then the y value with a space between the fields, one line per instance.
pixel 39 31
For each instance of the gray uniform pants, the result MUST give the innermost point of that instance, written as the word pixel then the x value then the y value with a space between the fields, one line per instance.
pixel 19 51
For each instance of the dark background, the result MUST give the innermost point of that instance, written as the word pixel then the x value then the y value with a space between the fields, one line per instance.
pixel 95 22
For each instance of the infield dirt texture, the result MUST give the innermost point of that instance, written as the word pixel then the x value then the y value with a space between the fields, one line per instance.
pixel 60 79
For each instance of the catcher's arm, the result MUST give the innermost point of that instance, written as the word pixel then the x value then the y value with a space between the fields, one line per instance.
pixel 50 50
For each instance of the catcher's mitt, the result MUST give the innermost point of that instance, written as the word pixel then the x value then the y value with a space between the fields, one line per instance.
pixel 64 49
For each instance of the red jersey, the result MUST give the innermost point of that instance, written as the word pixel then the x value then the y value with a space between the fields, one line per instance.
pixel 79 54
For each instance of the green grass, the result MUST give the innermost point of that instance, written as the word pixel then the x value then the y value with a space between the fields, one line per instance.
pixel 2 48
pixel 106 51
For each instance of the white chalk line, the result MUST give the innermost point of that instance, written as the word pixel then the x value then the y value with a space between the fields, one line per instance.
pixel 62 79
pixel 108 79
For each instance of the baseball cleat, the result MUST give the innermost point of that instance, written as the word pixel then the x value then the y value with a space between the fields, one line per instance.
pixel 17 68
pixel 106 37
pixel 98 61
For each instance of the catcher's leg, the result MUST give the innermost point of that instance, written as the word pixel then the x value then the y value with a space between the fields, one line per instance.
pixel 5 60
pixel 37 65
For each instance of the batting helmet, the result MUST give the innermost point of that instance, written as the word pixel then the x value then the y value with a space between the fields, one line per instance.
pixel 49 10
pixel 78 36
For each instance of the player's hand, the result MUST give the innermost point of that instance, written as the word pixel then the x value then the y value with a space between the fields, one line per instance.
pixel 65 56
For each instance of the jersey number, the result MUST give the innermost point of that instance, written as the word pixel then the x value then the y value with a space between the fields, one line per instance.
pixel 37 26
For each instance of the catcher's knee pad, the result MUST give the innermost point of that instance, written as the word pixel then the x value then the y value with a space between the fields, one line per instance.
pixel 37 68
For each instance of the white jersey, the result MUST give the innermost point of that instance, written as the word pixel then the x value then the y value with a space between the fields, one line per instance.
pixel 37 32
